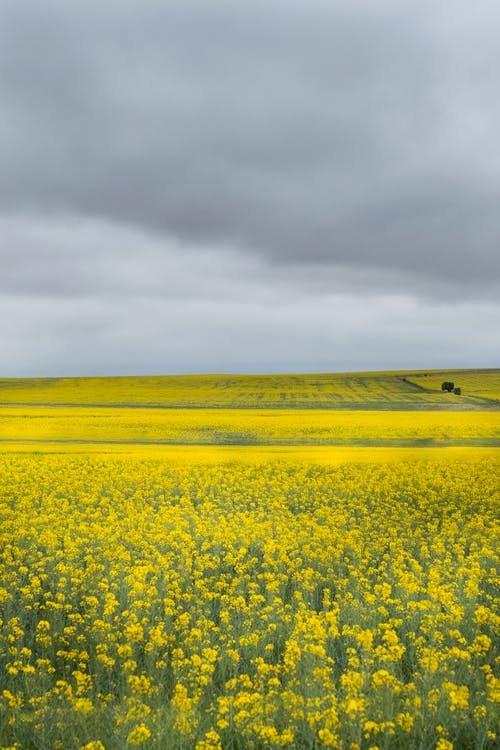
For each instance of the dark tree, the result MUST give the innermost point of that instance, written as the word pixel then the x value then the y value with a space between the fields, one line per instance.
pixel 447 386
pixel 457 391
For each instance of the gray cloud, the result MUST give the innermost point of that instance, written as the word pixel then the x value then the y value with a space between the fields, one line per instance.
pixel 154 335
pixel 311 132
pixel 230 157
pixel 102 298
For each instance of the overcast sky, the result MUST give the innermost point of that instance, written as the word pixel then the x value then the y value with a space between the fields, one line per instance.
pixel 237 185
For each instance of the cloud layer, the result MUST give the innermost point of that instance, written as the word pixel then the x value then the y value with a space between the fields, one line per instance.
pixel 235 185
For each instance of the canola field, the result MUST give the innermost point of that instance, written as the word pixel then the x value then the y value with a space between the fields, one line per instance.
pixel 365 390
pixel 233 578
pixel 474 382
pixel 107 425
pixel 159 605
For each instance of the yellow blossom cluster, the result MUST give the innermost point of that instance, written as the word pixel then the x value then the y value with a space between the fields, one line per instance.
pixel 150 604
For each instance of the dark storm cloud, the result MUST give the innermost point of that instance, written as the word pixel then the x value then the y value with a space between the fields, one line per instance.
pixel 353 134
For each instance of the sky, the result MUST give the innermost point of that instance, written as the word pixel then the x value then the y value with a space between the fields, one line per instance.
pixel 248 186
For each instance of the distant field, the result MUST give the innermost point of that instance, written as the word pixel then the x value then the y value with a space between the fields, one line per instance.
pixel 368 390
pixel 475 383
pixel 106 425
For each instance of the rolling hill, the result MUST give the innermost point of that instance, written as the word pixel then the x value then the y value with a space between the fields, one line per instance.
pixel 357 390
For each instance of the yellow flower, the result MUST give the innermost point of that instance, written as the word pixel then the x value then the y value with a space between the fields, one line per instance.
pixel 405 721
pixel 443 744
pixel 354 706
pixel 458 695
pixel 383 678
pixel 83 705
pixel 211 741
pixel 138 735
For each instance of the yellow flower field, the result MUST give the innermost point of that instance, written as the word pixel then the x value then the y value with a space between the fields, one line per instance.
pixel 233 578
pixel 402 389
pixel 152 602
pixel 249 426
